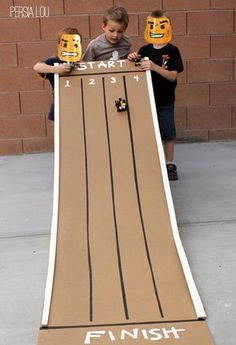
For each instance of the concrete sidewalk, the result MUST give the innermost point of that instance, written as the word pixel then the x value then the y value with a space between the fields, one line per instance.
pixel 205 203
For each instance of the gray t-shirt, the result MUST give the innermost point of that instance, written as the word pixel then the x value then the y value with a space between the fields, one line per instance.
pixel 101 49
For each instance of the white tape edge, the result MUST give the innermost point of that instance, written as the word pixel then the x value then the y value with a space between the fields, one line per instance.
pixel 53 240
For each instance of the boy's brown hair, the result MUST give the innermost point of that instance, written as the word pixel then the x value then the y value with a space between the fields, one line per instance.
pixel 116 13
pixel 67 31
pixel 159 14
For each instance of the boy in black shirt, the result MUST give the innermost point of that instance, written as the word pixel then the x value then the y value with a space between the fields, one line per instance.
pixel 165 63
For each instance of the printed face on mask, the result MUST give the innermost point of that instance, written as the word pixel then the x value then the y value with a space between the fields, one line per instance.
pixel 158 30
pixel 69 48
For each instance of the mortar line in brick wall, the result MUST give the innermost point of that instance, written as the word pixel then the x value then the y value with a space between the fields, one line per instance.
pixel 210 46
pixel 138 25
pixel 40 29
pixel 64 6
pixel 186 71
pixel 187 19
pixel 89 24
pixel 20 105
pixel 210 95
pixel 22 145
pixel 234 23
pixel 17 55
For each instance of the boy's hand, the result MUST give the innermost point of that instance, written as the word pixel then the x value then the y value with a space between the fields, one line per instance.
pixel 64 68
pixel 132 56
pixel 147 65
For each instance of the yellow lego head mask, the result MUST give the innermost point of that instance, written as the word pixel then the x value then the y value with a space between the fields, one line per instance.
pixel 69 48
pixel 158 30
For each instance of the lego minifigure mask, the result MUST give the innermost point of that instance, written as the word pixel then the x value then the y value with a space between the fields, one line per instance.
pixel 158 30
pixel 69 48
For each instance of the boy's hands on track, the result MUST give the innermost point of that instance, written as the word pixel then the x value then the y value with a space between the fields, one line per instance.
pixel 64 68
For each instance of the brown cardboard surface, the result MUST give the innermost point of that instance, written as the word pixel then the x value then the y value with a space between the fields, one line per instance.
pixel 117 263
pixel 181 333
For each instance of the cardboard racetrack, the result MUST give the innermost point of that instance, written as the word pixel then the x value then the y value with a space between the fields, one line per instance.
pixel 117 269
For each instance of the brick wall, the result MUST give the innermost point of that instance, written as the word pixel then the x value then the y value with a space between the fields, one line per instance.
pixel 204 30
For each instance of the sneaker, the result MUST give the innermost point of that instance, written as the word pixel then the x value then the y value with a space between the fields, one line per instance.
pixel 172 172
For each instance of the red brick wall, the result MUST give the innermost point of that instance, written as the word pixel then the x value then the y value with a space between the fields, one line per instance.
pixel 204 30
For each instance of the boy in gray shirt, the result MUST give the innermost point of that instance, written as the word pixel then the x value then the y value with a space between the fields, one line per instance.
pixel 112 44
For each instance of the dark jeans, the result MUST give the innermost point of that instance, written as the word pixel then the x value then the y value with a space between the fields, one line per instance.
pixel 166 119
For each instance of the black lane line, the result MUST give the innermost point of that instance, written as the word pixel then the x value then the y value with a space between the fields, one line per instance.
pixel 114 208
pixel 80 73
pixel 139 203
pixel 87 209
pixel 122 324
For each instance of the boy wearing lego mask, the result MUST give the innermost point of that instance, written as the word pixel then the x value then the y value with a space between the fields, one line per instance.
pixel 69 52
pixel 165 63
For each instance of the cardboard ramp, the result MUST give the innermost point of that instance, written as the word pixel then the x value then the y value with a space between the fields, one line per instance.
pixel 117 269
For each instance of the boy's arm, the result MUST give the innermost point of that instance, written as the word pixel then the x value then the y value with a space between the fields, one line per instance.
pixel 89 53
pixel 42 67
pixel 147 65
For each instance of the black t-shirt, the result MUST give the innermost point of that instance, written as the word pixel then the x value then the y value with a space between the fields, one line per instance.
pixel 164 90
pixel 50 76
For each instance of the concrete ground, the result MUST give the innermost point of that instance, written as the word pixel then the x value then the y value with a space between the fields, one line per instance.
pixel 205 203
